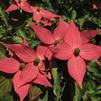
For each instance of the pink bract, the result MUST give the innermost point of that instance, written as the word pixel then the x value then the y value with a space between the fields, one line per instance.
pixel 87 35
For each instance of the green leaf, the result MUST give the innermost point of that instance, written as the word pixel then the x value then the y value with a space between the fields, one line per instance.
pixel 34 43
pixel 57 89
pixel 95 69
pixel 5 86
pixel 2 30
pixel 2 55
pixel 73 14
pixel 2 52
pixel 21 34
pixel 3 17
pixel 78 94
pixel 7 97
pixel 92 66
pixel 17 39
pixel 81 22
pixel 95 98
pixel 2 49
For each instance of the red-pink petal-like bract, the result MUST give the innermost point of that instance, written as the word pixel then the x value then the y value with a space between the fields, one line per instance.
pixel 43 34
pixel 90 51
pixel 9 65
pixel 22 91
pixel 87 35
pixel 47 14
pixel 40 51
pixel 25 6
pixel 43 52
pixel 37 17
pixel 77 69
pixel 63 51
pixel 60 30
pixel 29 73
pixel 12 7
pixel 48 54
pixel 73 37
pixel 42 80
pixel 25 53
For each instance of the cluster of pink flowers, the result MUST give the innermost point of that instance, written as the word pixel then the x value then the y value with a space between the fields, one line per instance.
pixel 68 43
pixel 65 43
pixel 39 15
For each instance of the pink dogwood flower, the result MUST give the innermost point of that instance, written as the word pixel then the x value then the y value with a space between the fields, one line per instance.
pixel 43 16
pixel 32 68
pixel 24 5
pixel 76 52
pixel 49 38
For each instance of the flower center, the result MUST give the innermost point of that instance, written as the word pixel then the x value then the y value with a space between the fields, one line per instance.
pixel 22 66
pixel 37 61
pixel 76 52
pixel 56 42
